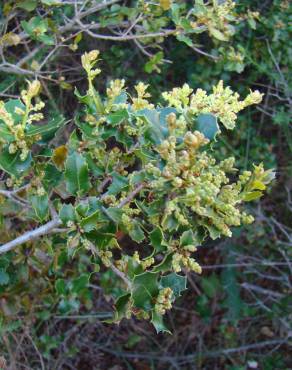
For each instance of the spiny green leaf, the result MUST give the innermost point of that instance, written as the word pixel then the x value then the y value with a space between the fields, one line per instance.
pixel 121 307
pixel 12 164
pixel 145 288
pixel 93 221
pixel 28 5
pixel 211 285
pixel 157 239
pixel 118 117
pixel 40 204
pixel 80 283
pixel 76 174
pixel 187 238
pixel 114 214
pixel 174 281
pixel 47 129
pixel 67 213
pixel 157 321
pixel 136 232
pixel 207 124
pixel 118 183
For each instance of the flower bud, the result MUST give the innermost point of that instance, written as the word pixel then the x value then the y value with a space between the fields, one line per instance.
pixel 34 88
pixel 177 182
pixel 191 140
pixel 171 120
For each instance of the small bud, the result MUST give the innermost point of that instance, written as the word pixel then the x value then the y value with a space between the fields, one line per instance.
pixel 34 88
pixel 177 182
pixel 171 120
pixel 191 140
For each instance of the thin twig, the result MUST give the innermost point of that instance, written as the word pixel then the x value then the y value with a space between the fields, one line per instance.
pixel 52 226
pixel 31 235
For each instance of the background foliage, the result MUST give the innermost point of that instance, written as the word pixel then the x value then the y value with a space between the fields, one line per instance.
pixel 237 314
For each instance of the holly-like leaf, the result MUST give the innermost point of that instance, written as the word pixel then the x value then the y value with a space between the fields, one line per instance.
pixel 121 307
pixel 207 124
pixel 10 107
pixel 93 221
pixel 165 264
pixel 76 174
pixel 133 267
pixel 211 285
pixel 118 117
pixel 114 214
pixel 67 213
pixel 145 288
pixel 155 132
pixel 80 283
pixel 187 40
pixel 28 5
pixel 187 238
pixel 157 239
pixel 174 281
pixel 154 61
pixel 47 129
pixel 136 232
pixel 40 205
pixel 157 321
pixel 118 183
pixel 12 164
pixel 218 34
pixel 5 133
pixel 59 156
pixel 52 176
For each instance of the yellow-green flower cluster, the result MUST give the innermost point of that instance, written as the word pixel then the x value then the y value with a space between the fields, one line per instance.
pixel 164 301
pixel 179 96
pixel 179 159
pixel 216 18
pixel 28 114
pixel 235 56
pixel 201 189
pixel 88 61
pixel 141 102
pixel 106 257
pixel 183 260
pixel 115 88
pixel 143 263
pixel 223 102
pixel 176 125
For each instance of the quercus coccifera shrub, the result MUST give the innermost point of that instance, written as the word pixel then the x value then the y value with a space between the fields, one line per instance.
pixel 136 185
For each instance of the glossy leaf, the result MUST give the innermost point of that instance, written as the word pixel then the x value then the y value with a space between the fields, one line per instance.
pixel 41 206
pixel 157 321
pixel 67 213
pixel 12 164
pixel 76 174
pixel 145 288
pixel 207 124
pixel 174 281
pixel 46 129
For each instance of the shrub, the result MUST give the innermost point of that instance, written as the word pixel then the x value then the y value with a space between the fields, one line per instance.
pixel 134 187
